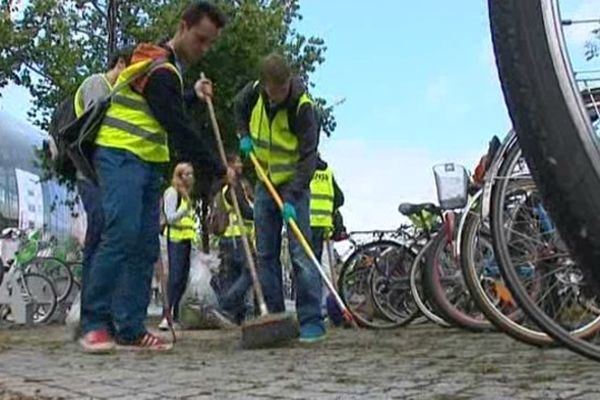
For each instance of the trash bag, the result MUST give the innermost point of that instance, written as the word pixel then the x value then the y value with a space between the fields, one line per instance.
pixel 73 318
pixel 199 296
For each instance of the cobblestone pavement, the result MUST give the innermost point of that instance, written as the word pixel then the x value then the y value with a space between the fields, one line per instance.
pixel 423 362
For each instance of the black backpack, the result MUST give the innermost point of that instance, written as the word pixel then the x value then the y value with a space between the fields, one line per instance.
pixel 63 116
pixel 75 137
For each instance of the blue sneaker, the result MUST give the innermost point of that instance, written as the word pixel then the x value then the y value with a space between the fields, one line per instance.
pixel 312 333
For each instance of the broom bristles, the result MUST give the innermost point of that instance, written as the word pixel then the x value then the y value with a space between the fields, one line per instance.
pixel 269 330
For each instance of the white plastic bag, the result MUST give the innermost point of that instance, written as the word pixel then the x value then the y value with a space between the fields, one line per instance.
pixel 201 273
pixel 199 295
pixel 73 317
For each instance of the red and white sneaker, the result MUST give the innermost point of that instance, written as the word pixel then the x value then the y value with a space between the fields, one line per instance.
pixel 97 342
pixel 148 342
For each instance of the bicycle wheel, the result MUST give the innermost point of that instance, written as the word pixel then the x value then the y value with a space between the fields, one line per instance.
pixel 77 272
pixel 551 121
pixel 39 290
pixel 531 254
pixel 57 271
pixel 419 293
pixel 443 278
pixel 355 284
pixel 488 289
pixel 390 284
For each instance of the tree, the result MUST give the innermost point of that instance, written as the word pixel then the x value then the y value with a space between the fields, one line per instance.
pixel 52 45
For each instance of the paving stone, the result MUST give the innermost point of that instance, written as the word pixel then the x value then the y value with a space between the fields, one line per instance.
pixel 422 362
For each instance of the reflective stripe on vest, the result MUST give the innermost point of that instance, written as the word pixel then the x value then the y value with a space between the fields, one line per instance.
pixel 233 228
pixel 275 145
pixel 129 123
pixel 321 199
pixel 185 228
pixel 79 105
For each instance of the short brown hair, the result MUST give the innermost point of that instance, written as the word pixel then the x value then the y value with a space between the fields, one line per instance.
pixel 121 54
pixel 275 69
pixel 200 9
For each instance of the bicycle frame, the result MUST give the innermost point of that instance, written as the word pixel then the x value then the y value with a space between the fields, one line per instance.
pixel 473 203
pixel 486 196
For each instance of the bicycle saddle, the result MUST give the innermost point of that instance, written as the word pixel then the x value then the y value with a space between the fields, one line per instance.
pixel 409 209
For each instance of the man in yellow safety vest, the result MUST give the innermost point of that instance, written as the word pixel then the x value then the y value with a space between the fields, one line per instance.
pixel 144 124
pixel 276 120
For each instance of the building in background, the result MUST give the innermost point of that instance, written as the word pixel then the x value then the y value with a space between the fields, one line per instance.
pixel 26 201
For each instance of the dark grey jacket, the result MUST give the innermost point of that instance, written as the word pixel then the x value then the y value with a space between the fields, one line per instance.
pixel 304 125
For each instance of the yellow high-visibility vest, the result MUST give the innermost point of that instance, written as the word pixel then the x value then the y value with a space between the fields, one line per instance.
pixel 275 146
pixel 129 123
pixel 321 199
pixel 233 228
pixel 185 228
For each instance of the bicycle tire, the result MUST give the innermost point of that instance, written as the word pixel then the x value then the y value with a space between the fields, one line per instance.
pixel 346 294
pixel 419 292
pixel 29 278
pixel 575 339
pixel 432 278
pixel 550 120
pixel 77 271
pixel 471 274
pixel 395 287
pixel 59 272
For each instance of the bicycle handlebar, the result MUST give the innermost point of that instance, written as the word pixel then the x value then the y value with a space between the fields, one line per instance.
pixel 12 233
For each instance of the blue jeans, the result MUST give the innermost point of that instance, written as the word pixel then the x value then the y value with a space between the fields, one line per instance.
pixel 236 280
pixel 179 272
pixel 120 274
pixel 92 204
pixel 268 240
pixel 317 238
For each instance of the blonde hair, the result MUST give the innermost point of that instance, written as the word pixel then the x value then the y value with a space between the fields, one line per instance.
pixel 177 181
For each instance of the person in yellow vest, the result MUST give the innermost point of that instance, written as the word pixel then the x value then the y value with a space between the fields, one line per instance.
pixel 235 279
pixel 94 88
pixel 145 125
pixel 325 197
pixel 276 119
pixel 180 233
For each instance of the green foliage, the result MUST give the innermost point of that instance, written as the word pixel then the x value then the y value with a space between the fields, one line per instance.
pixel 50 46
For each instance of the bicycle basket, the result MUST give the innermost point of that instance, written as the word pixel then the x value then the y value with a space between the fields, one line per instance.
pixel 452 183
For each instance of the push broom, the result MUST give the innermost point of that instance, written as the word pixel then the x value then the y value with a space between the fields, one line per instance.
pixel 303 242
pixel 267 329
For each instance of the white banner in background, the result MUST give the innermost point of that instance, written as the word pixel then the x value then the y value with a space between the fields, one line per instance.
pixel 31 200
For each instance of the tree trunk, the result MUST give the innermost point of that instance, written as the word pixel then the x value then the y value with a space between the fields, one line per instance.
pixel 111 26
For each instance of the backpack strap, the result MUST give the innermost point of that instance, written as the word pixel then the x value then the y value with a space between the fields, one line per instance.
pixel 147 68
pixel 165 213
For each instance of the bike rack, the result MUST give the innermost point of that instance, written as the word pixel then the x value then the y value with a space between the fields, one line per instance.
pixel 21 308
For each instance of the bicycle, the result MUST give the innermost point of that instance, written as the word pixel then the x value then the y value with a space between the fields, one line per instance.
pixel 553 122
pixel 20 290
pixel 479 264
pixel 373 281
pixel 36 255
pixel 441 276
